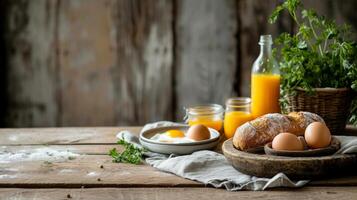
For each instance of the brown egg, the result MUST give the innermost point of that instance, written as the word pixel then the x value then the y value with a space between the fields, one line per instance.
pixel 317 135
pixel 287 142
pixel 198 132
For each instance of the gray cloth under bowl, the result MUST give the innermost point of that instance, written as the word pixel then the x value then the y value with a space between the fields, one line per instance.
pixel 212 168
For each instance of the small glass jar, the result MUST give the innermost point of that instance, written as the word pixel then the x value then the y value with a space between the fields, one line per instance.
pixel 210 115
pixel 237 113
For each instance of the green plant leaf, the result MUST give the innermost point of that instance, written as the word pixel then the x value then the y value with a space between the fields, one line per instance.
pixel 274 16
pixel 131 154
pixel 319 54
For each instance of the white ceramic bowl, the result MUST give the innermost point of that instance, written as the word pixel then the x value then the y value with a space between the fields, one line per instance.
pixel 177 148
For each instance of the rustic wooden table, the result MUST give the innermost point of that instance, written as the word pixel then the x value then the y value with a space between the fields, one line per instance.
pixel 24 174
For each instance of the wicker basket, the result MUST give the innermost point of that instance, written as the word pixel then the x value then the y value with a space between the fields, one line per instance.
pixel 332 104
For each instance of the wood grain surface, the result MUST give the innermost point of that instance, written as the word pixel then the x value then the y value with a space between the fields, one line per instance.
pixel 30 43
pixel 143 75
pixel 75 63
pixel 83 149
pixel 90 166
pixel 263 165
pixel 205 52
pixel 85 66
pixel 95 135
pixel 129 62
pixel 85 170
pixel 95 169
pixel 317 193
pixel 75 135
pixel 91 174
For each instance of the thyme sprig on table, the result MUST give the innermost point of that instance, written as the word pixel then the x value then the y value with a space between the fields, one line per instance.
pixel 320 54
pixel 131 154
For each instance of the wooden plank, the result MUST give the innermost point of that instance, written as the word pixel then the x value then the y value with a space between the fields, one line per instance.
pixel 253 22
pixel 336 181
pixel 84 170
pixel 58 170
pixel 86 59
pixel 86 149
pixel 143 72
pixel 84 135
pixel 206 52
pixel 126 64
pixel 3 62
pixel 91 149
pixel 30 50
pixel 318 193
pixel 97 135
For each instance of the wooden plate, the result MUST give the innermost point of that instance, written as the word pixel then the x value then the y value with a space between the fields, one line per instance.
pixel 335 145
pixel 262 165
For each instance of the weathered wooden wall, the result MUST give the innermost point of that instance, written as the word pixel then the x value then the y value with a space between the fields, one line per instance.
pixel 206 50
pixel 143 75
pixel 29 33
pixel 3 68
pixel 129 62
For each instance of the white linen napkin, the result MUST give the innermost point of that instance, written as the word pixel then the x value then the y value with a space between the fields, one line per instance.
pixel 212 168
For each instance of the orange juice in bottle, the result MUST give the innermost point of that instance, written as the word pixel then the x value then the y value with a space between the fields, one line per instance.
pixel 237 113
pixel 265 85
pixel 210 115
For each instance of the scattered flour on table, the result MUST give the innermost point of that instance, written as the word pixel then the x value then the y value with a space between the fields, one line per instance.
pixel 92 174
pixel 13 138
pixel 67 171
pixel 124 173
pixel 4 176
pixel 39 154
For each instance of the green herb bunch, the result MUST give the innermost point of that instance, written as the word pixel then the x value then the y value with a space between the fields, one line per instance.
pixel 320 54
pixel 131 154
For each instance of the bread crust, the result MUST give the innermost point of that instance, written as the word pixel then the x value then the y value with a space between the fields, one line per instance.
pixel 262 130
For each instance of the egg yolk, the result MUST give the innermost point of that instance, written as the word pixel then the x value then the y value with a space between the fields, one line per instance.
pixel 175 133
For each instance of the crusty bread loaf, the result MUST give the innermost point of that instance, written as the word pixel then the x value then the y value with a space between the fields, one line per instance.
pixel 262 130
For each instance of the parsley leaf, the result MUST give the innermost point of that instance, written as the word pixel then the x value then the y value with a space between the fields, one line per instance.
pixel 320 54
pixel 131 154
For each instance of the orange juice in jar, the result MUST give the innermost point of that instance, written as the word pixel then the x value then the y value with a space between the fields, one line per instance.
pixel 210 115
pixel 265 85
pixel 237 113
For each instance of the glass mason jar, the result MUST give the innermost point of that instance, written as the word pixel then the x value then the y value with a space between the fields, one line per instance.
pixel 210 115
pixel 265 84
pixel 237 113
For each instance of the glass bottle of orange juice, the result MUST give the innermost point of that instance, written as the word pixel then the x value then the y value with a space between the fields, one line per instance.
pixel 265 84
pixel 210 115
pixel 237 113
